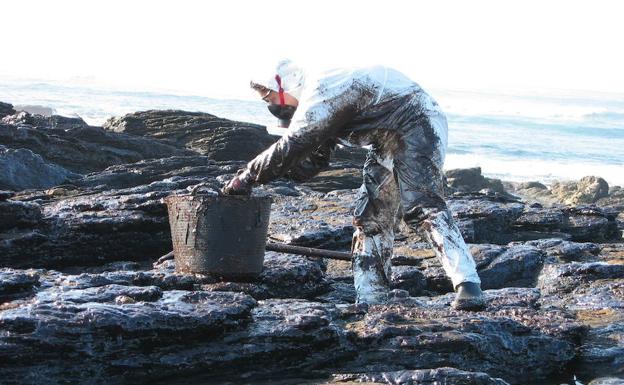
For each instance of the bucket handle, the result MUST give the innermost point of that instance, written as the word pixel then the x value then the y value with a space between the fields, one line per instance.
pixel 196 188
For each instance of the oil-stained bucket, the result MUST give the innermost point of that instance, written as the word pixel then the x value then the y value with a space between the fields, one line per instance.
pixel 219 235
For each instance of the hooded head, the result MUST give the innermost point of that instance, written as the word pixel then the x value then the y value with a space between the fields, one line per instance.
pixel 282 90
pixel 291 76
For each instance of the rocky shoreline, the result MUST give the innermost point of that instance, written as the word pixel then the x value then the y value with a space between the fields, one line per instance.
pixel 82 219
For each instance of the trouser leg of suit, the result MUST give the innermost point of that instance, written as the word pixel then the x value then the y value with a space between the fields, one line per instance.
pixel 374 218
pixel 418 169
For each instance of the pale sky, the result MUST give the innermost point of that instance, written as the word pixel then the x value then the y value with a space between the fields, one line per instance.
pixel 212 48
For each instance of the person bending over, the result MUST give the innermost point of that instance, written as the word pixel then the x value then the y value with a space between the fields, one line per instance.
pixel 406 133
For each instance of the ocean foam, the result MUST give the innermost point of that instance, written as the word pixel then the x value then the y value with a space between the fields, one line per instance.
pixel 545 171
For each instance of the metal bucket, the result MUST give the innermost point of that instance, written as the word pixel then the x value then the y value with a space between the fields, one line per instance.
pixel 221 236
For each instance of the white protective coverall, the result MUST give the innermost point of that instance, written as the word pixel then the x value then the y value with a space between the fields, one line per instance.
pixel 406 132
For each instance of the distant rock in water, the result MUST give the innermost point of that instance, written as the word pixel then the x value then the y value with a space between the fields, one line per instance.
pixel 218 138
pixel 471 180
pixel 47 122
pixel 587 190
pixel 532 192
pixel 36 110
pixel 615 200
pixel 22 169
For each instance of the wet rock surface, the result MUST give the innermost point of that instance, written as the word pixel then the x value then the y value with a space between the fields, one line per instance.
pixel 100 224
pixel 80 301
pixel 284 276
pixel 218 138
pixel 16 214
pixel 487 218
pixel 607 381
pixel 517 266
pixel 450 376
pixel 106 320
pixel 6 109
pixel 22 169
pixel 79 149
pixel 594 292
pixel 15 283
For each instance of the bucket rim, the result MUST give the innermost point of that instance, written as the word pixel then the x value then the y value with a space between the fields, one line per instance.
pixel 214 198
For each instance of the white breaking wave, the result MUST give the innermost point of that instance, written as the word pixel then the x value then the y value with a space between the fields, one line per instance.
pixel 563 107
pixel 545 171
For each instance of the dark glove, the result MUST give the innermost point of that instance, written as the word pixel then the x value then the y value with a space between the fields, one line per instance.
pixel 239 185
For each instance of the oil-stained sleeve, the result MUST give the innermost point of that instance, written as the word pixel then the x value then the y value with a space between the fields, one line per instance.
pixel 315 162
pixel 316 121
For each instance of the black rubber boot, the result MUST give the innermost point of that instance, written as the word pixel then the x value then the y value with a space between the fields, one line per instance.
pixel 469 297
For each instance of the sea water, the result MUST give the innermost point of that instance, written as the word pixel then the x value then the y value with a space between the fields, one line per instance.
pixel 512 135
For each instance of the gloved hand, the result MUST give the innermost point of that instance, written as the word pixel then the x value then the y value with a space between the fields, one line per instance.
pixel 239 185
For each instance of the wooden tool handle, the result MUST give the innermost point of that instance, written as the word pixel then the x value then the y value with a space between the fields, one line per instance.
pixel 289 249
pixel 308 251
